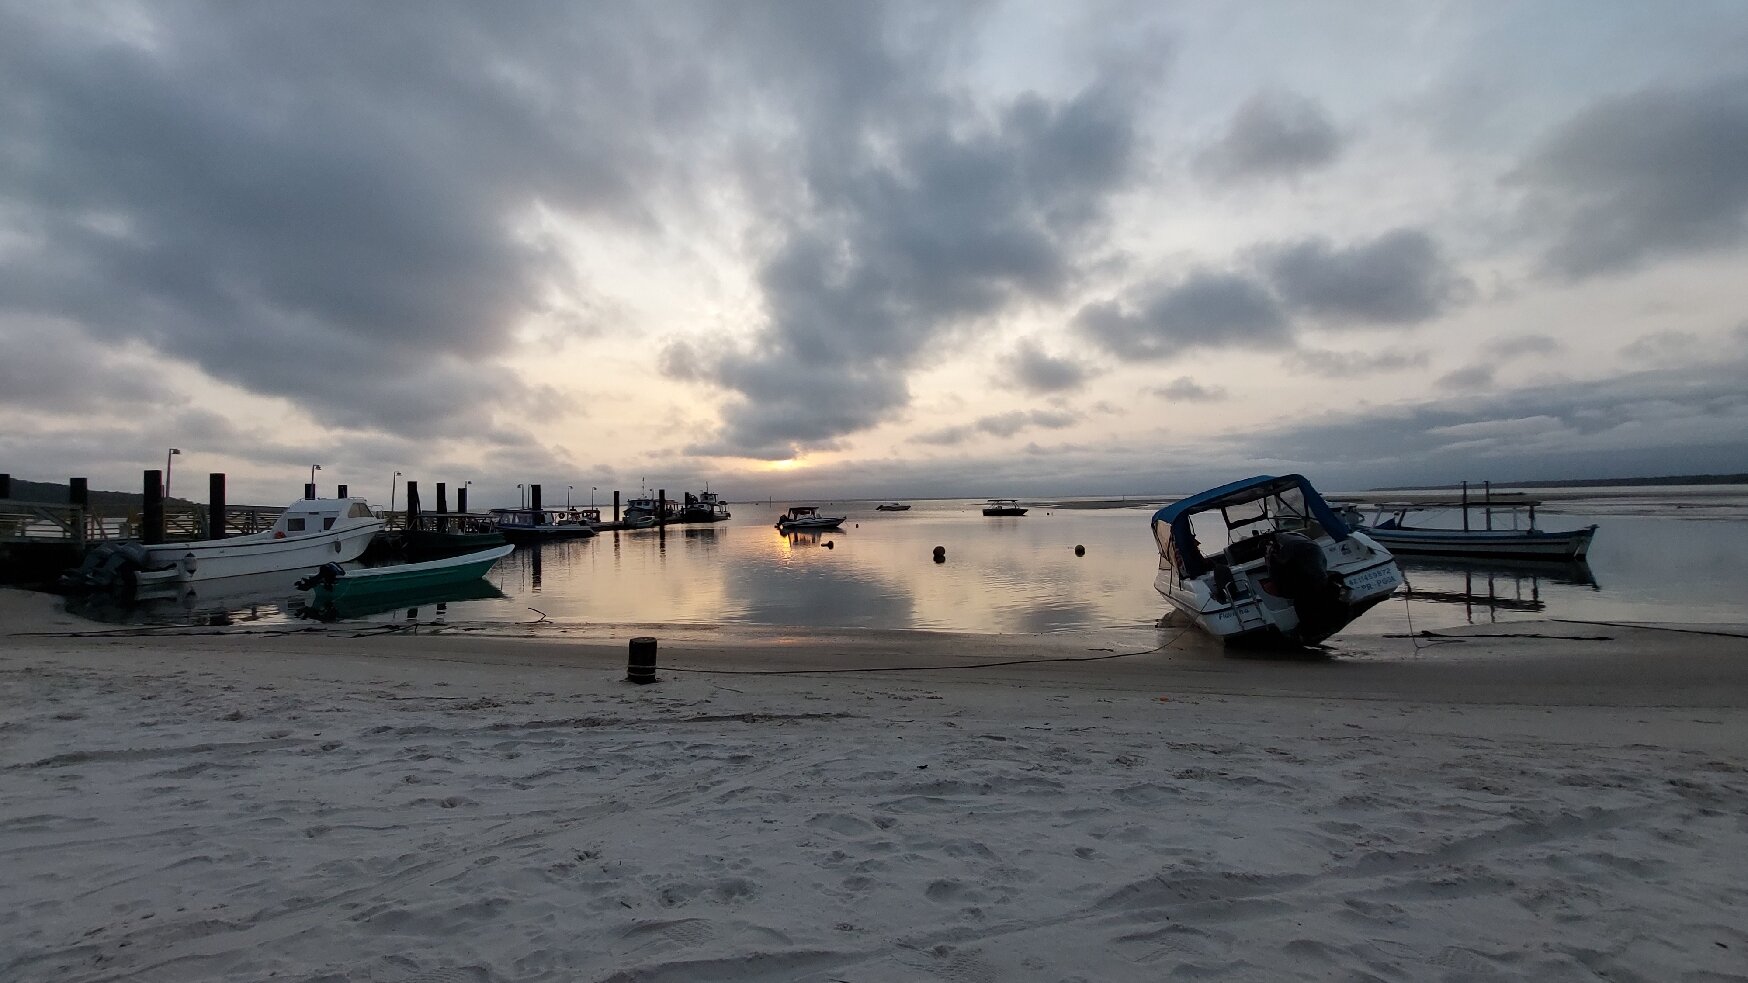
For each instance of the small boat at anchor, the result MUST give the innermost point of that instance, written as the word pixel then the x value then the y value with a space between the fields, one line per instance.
pixel 1003 506
pixel 1289 570
pixel 807 517
pixel 334 584
pixel 1390 524
pixel 892 507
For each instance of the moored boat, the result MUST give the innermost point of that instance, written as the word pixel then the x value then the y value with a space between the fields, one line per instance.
pixel 333 583
pixel 1003 506
pixel 892 507
pixel 1390 525
pixel 434 535
pixel 807 517
pixel 310 532
pixel 705 506
pixel 1288 569
pixel 541 525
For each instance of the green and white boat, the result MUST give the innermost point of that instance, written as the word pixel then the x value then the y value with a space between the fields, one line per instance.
pixel 333 583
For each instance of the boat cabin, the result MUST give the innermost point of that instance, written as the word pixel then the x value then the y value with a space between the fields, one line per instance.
pixel 313 515
pixel 1234 524
pixel 799 512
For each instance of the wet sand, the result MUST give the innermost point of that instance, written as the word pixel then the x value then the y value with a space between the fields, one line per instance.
pixel 497 803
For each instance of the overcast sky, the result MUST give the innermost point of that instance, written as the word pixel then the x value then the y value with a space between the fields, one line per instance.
pixel 871 250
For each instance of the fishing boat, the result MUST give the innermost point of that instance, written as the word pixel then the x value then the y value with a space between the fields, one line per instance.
pixel 309 532
pixel 333 583
pixel 1003 506
pixel 892 507
pixel 807 517
pixel 541 525
pixel 1398 526
pixel 703 507
pixel 434 535
pixel 1288 569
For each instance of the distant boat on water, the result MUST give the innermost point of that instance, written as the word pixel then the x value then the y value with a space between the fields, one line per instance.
pixel 1003 506
pixel 807 517
pixel 1390 525
pixel 893 507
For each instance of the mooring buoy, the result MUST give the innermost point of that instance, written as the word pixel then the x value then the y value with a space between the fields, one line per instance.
pixel 1080 551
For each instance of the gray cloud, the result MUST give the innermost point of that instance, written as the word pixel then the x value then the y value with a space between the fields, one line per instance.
pixel 1667 348
pixel 1274 134
pixel 1001 425
pixel 1467 378
pixel 1530 344
pixel 1401 277
pixel 1032 370
pixel 1347 365
pixel 1639 177
pixel 1206 310
pixel 1184 389
pixel 212 195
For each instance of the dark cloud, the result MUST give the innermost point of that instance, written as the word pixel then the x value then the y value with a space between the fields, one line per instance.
pixel 1401 277
pixel 1207 310
pixel 919 216
pixel 1639 177
pixel 318 203
pixel 1347 365
pixel 1667 348
pixel 1184 389
pixel 1001 425
pixel 1529 344
pixel 52 367
pixel 1274 134
pixel 1467 378
pixel 1032 370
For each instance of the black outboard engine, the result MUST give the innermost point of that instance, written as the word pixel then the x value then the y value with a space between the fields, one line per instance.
pixel 1297 565
pixel 108 566
pixel 325 575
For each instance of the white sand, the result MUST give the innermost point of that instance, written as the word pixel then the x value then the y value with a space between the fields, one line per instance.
pixel 459 807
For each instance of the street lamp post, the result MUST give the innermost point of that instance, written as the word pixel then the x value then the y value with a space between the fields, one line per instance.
pixel 592 490
pixel 313 469
pixel 392 485
pixel 567 495
pixel 167 457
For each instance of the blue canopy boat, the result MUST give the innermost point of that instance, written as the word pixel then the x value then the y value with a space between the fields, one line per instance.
pixel 1286 569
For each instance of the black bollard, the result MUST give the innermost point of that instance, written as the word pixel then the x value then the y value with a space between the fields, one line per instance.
pixel 640 666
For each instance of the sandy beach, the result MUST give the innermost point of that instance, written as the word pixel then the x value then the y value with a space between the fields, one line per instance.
pixel 1547 800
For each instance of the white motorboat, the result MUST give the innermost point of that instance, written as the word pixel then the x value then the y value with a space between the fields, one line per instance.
pixel 807 517
pixel 1482 536
pixel 309 533
pixel 1288 569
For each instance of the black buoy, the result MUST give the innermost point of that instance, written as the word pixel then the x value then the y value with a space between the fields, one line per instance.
pixel 940 554
pixel 640 667
pixel 830 545
pixel 1080 551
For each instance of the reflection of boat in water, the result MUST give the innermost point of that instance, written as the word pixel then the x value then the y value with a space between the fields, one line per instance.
pixel 1003 506
pixel 310 532
pixel 477 589
pixel 1389 524
pixel 810 537
pixel 807 517
pixel 1490 586
pixel 1289 568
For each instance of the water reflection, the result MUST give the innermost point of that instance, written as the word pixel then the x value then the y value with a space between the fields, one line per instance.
pixel 1486 587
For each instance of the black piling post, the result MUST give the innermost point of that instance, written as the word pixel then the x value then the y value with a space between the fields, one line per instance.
pixel 662 507
pixel 340 491
pixel 79 497
pixel 152 513
pixel 640 665
pixel 442 498
pixel 461 499
pixel 412 504
pixel 534 497
pixel 215 505
pixel 5 486
pixel 309 491
pixel 615 506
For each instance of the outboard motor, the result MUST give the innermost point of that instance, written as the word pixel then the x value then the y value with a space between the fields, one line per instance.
pixel 1297 565
pixel 325 575
pixel 108 566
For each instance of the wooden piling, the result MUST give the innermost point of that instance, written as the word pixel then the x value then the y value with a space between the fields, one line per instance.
pixel 534 497
pixel 661 507
pixel 615 506
pixel 5 486
pixel 152 514
pixel 340 491
pixel 442 498
pixel 461 499
pixel 215 505
pixel 412 504
pixel 309 491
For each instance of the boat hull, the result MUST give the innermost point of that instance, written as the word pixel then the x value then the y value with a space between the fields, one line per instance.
pixel 801 525
pixel 214 559
pixel 1004 511
pixel 1258 618
pixel 372 582
pixel 1519 544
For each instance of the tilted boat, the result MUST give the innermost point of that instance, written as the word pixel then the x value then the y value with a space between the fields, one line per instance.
pixel 333 583
pixel 807 517
pixel 1003 506
pixel 1288 568
pixel 540 525
pixel 310 532
pixel 1389 524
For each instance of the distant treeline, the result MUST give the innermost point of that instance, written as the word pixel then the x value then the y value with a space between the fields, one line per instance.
pixel 53 493
pixel 1669 479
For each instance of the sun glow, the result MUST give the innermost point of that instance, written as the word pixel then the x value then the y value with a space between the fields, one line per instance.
pixel 791 464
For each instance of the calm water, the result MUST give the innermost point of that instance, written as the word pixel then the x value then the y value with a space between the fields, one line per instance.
pixel 1652 560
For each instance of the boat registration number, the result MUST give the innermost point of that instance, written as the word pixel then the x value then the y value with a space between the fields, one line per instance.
pixel 1373 581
